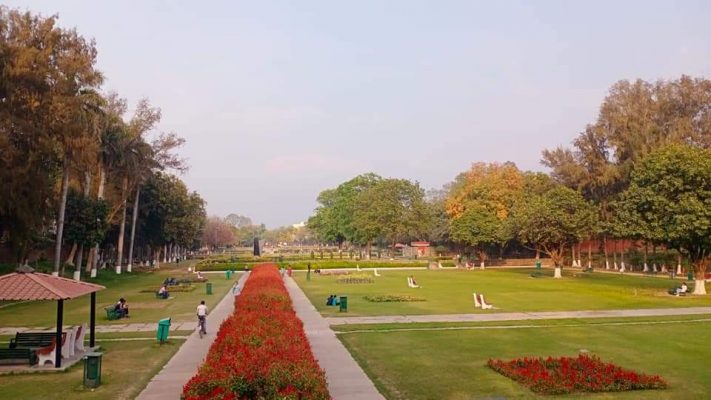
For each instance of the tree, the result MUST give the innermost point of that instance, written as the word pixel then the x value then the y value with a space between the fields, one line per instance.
pixel 479 228
pixel 217 233
pixel 669 201
pixel 552 221
pixel 634 119
pixel 485 188
pixel 391 209
pixel 333 218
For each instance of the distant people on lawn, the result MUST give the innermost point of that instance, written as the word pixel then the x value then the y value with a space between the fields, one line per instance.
pixel 332 300
pixel 200 277
pixel 121 308
pixel 682 289
pixel 163 292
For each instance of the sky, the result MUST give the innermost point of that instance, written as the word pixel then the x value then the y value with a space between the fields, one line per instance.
pixel 279 100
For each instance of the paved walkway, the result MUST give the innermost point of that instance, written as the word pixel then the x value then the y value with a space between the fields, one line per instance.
pixel 516 316
pixel 346 380
pixel 168 383
pixel 138 327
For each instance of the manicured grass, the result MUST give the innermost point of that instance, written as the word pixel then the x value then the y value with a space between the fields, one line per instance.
pixel 509 290
pixel 126 369
pixel 144 307
pixel 451 364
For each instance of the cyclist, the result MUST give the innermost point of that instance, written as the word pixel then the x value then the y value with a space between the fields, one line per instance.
pixel 202 314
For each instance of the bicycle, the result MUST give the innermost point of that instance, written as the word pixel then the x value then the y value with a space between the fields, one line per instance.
pixel 201 325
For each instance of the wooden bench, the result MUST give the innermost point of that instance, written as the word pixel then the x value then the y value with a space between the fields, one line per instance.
pixel 112 313
pixel 31 340
pixel 17 356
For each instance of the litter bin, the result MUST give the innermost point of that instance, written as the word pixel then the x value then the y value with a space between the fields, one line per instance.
pixel 208 288
pixel 163 329
pixel 344 304
pixel 92 370
pixel 690 276
pixel 228 274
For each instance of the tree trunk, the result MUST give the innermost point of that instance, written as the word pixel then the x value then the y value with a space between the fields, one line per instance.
pixel 122 226
pixel 678 263
pixel 573 260
pixel 60 218
pixel 367 250
pixel 133 229
pixel 80 257
pixel 99 196
pixel 604 248
pixel 622 257
pixel 614 255
pixel 482 258
pixel 700 272
pixel 538 253
pixel 72 253
pixel 590 253
pixel 165 253
pixel 646 254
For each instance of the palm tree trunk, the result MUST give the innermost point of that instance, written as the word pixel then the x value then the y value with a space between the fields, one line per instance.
pixel 60 218
pixel 133 228
pixel 72 253
pixel 99 195
pixel 122 226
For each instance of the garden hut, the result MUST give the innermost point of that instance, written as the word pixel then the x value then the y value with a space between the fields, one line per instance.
pixel 28 285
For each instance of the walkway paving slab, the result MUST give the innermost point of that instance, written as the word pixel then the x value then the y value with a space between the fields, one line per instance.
pixel 516 316
pixel 346 380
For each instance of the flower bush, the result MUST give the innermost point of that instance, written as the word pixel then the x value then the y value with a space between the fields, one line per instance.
pixel 574 374
pixel 392 298
pixel 261 351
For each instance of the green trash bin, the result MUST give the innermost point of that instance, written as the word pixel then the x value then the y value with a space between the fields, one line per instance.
pixel 228 274
pixel 208 288
pixel 538 265
pixel 163 329
pixel 92 370
pixel 344 304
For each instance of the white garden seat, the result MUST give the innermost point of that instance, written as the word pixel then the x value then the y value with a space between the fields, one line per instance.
pixel 79 341
pixel 68 343
pixel 484 306
pixel 375 272
pixel 477 304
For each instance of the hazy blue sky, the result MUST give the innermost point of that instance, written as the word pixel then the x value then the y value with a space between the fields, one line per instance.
pixel 280 100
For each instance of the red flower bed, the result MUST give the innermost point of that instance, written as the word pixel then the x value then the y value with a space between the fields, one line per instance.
pixel 569 374
pixel 261 351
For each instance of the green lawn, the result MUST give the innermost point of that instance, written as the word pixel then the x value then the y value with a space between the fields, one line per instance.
pixel 451 364
pixel 509 290
pixel 144 307
pixel 126 369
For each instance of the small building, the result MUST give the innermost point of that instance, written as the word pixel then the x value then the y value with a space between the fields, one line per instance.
pixel 417 250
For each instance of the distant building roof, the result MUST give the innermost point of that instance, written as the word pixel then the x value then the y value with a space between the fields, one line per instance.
pixel 420 244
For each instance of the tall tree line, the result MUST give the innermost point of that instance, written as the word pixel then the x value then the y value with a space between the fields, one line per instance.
pixel 76 170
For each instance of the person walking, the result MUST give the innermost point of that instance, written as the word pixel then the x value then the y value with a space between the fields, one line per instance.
pixel 202 316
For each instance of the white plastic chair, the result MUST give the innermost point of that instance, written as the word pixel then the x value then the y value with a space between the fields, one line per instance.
pixel 477 304
pixel 375 272
pixel 68 343
pixel 46 354
pixel 484 306
pixel 79 341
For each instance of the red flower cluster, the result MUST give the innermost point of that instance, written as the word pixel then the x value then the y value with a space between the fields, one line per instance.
pixel 568 374
pixel 261 351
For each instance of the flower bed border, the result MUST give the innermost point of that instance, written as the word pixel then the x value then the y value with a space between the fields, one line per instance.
pixel 584 373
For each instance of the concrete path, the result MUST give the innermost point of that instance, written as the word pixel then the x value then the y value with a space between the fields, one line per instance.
pixel 346 380
pixel 168 383
pixel 515 316
pixel 139 327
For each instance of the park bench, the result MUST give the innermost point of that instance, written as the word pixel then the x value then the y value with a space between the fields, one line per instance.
pixel 17 356
pixel 32 340
pixel 112 313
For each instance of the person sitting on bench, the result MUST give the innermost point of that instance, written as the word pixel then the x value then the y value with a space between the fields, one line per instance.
pixel 121 308
pixel 200 277
pixel 163 292
pixel 683 289
pixel 329 301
